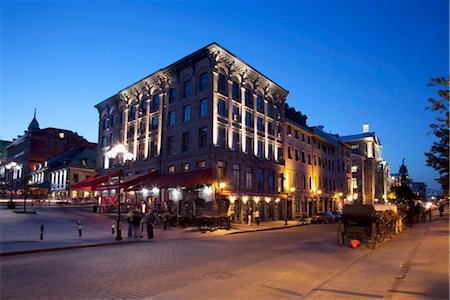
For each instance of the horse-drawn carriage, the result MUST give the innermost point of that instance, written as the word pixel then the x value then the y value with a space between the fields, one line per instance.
pixel 367 222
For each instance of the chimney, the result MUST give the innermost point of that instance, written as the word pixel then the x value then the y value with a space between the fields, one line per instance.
pixel 320 127
pixel 365 128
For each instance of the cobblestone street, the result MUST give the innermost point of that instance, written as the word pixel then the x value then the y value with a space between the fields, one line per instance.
pixel 298 262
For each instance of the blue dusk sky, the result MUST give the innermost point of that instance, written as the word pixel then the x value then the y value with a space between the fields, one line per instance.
pixel 344 62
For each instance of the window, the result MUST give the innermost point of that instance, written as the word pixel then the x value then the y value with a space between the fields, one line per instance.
pixel 121 116
pixel 304 182
pixel 202 137
pixel 143 107
pixel 130 132
pixel 221 108
pixel 223 85
pixel 289 154
pixel 154 125
pixel 221 170
pixel 236 176
pixel 105 123
pixel 172 118
pixel 153 148
pixel 315 160
pixel 296 155
pixel 104 142
pixel 170 145
pixel 260 149
pixel 289 128
pixel 187 113
pixel 249 178
pixel 354 169
pixel 185 141
pixel 222 137
pixel 201 165
pixel 172 95
pixel 132 113
pixel 186 88
pixel 236 114
pixel 271 181
pixel 61 135
pixel 270 151
pixel 236 141
pixel 155 103
pixel 354 183
pixel 203 107
pixel 259 104
pixel 113 120
pixel 248 119
pixel 75 177
pixel 309 159
pixel 303 137
pixel 296 134
pixel 249 145
pixel 235 91
pixel 203 82
pixel 171 169
pixel 270 109
pixel 303 157
pixel 185 167
pixel 260 179
pixel 248 98
pixel 260 124
pixel 269 128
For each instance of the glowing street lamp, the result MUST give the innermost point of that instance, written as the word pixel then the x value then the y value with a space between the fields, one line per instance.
pixel 13 166
pixel 119 151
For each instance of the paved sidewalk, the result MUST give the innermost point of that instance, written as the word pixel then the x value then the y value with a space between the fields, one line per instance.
pixel 20 233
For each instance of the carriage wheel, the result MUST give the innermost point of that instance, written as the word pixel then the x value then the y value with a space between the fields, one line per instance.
pixel 341 234
pixel 373 235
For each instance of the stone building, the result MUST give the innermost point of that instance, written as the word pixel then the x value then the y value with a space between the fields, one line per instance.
pixel 36 146
pixel 55 176
pixel 208 111
pixel 317 167
pixel 370 173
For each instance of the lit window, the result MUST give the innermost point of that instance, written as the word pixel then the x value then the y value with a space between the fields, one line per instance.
pixel 61 135
pixel 354 169
pixel 187 113
pixel 172 118
pixel 171 169
pixel 185 167
pixel 203 108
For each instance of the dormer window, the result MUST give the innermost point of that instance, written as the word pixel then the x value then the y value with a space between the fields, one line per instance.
pixel 61 135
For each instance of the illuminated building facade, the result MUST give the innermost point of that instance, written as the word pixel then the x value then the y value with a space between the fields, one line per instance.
pixel 317 168
pixel 209 110
pixel 36 146
pixel 371 177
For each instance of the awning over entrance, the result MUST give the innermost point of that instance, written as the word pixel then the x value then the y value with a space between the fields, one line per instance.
pixel 127 183
pixel 92 182
pixel 176 180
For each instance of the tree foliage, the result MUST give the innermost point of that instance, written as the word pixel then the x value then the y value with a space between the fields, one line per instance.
pixel 402 193
pixel 437 157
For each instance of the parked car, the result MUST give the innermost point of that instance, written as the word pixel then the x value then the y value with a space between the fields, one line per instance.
pixel 337 215
pixel 323 217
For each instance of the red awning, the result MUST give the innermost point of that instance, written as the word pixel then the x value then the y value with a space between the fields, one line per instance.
pixel 92 182
pixel 176 180
pixel 127 183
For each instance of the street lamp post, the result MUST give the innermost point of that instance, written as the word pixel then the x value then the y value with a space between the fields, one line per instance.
pixel 12 166
pixel 119 150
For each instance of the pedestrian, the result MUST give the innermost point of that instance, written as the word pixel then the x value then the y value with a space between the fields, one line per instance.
pixel 250 216
pixel 166 220
pixel 256 214
pixel 136 222
pixel 130 216
pixel 441 209
pixel 230 214
pixel 150 222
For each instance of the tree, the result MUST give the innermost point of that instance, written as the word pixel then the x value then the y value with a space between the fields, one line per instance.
pixel 437 158
pixel 401 194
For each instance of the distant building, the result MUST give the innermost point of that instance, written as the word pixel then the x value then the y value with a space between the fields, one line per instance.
pixel 56 175
pixel 317 167
pixel 420 189
pixel 3 157
pixel 36 146
pixel 370 173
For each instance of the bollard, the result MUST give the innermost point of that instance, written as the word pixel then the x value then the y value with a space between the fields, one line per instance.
pixel 42 232
pixel 112 227
pixel 79 228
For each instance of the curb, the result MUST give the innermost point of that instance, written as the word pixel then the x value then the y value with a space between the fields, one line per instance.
pixel 42 250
